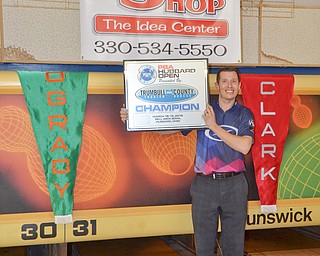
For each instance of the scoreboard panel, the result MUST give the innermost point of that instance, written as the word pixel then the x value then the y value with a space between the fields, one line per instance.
pixel 103 224
pixel 30 229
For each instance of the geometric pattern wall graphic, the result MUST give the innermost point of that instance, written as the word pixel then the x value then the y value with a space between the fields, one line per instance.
pixel 116 168
pixel 302 114
pixel 172 154
pixel 96 170
pixel 96 166
pixel 300 170
pixel 300 167
pixel 135 169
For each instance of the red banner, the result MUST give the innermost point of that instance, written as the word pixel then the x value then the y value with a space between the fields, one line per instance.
pixel 269 99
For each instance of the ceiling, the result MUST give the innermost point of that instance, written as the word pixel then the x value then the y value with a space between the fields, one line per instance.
pixel 307 3
pixel 285 3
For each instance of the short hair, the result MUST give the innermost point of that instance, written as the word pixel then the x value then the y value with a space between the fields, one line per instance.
pixel 227 69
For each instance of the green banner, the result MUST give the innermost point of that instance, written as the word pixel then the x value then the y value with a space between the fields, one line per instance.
pixel 56 103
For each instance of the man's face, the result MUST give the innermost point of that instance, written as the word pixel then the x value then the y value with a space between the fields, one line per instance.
pixel 228 85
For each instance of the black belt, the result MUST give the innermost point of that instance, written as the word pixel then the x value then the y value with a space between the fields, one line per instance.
pixel 219 175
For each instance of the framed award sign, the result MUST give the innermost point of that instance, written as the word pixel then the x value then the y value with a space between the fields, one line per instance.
pixel 166 94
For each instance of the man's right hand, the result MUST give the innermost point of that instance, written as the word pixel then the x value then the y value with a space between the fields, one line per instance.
pixel 124 114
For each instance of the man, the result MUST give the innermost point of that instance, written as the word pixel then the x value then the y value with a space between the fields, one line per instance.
pixel 220 189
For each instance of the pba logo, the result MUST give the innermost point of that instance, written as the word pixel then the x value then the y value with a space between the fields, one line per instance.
pixel 147 74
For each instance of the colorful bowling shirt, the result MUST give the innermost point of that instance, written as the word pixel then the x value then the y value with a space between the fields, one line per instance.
pixel 212 154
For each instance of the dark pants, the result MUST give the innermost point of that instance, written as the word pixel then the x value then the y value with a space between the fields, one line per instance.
pixel 227 199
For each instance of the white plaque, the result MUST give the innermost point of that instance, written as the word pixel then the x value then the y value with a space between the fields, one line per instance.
pixel 166 94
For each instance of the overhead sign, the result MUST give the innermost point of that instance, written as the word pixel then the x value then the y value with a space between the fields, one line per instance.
pixel 160 29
